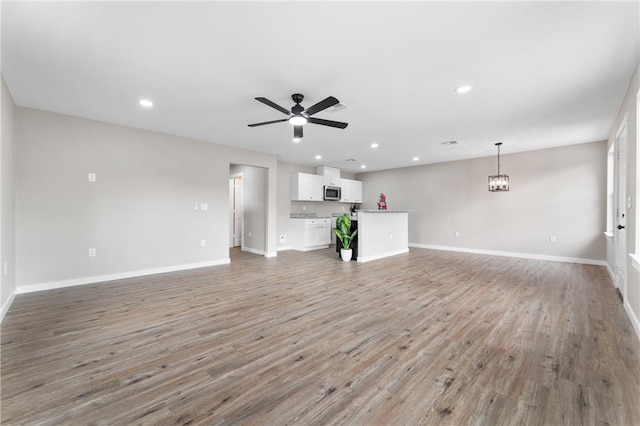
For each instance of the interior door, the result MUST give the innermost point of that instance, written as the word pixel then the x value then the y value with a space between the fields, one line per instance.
pixel 231 210
pixel 621 210
pixel 238 212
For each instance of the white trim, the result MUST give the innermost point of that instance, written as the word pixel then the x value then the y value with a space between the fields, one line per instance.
pixel 513 254
pixel 635 260
pixel 311 248
pixel 611 275
pixel 283 248
pixel 381 255
pixel 632 316
pixel 252 250
pixel 271 254
pixel 110 277
pixel 6 306
pixel 609 235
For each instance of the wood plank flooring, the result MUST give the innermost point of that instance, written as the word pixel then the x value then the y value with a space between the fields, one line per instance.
pixel 428 337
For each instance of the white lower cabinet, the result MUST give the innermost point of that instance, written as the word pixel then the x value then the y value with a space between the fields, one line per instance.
pixel 310 234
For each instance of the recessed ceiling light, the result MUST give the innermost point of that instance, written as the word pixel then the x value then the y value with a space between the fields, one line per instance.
pixel 145 103
pixel 415 158
pixel 463 89
pixel 363 166
pixel 374 145
pixel 318 157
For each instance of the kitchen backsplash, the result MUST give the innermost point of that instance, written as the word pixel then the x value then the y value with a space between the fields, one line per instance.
pixel 320 208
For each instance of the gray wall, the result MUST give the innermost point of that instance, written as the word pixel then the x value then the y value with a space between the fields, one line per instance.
pixel 254 199
pixel 7 199
pixel 554 192
pixel 139 215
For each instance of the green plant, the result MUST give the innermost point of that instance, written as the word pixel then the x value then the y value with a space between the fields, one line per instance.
pixel 343 229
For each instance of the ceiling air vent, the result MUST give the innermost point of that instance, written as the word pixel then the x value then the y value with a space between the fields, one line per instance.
pixel 449 143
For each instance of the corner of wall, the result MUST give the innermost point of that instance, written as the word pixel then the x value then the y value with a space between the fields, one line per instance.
pixel 7 199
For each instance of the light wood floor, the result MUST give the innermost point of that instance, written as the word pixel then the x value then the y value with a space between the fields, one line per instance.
pixel 429 337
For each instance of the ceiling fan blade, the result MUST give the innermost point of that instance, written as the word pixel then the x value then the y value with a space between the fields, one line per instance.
pixel 322 105
pixel 330 123
pixel 268 122
pixel 297 132
pixel 273 105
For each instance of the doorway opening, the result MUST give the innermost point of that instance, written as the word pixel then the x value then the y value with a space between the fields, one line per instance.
pixel 248 199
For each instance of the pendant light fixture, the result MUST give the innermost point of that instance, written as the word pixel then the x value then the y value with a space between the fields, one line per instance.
pixel 498 183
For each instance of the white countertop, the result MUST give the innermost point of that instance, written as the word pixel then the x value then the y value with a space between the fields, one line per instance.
pixel 383 211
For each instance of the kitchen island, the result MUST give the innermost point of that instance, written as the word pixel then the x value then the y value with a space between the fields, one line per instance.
pixel 382 233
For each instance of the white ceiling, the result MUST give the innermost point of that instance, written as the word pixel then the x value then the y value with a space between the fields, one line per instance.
pixel 544 74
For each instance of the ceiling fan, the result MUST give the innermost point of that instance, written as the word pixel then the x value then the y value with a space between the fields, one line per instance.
pixel 300 116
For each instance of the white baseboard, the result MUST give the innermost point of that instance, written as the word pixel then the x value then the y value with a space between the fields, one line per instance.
pixel 513 254
pixel 611 274
pixel 283 248
pixel 252 250
pixel 310 248
pixel 110 277
pixel 382 255
pixel 632 316
pixel 6 306
pixel 271 254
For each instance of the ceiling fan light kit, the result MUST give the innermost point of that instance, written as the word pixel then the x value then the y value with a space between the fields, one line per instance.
pixel 299 116
pixel 498 183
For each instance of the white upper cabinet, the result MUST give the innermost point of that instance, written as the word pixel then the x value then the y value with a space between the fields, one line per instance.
pixel 356 191
pixel 306 187
pixel 331 175
pixel 345 196
pixel 351 191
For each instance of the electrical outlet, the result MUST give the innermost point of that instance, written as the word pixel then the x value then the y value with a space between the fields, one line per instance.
pixel 457 233
pixel 553 239
pixel 204 206
pixel 304 208
pixel 283 238
pixel 249 234
pixel 91 177
pixel 203 243
pixel 92 252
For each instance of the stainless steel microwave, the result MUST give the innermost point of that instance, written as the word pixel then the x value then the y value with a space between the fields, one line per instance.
pixel 332 193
